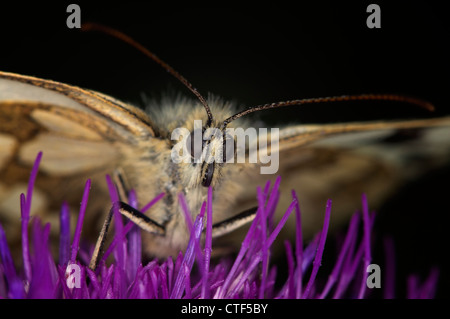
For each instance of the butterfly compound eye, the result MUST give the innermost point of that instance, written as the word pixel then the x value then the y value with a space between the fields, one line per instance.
pixel 207 178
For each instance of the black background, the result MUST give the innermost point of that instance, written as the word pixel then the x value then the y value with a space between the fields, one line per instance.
pixel 265 53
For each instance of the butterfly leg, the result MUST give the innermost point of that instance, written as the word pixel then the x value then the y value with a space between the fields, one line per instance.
pixel 121 183
pixel 132 214
pixel 126 210
pixel 147 224
pixel 151 226
pixel 235 222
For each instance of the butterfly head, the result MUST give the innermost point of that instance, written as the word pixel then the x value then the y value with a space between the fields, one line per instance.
pixel 209 149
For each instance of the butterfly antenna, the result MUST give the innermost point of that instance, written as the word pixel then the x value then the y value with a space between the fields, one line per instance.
pixel 122 36
pixel 363 97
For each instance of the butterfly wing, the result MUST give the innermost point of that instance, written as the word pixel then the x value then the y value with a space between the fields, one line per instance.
pixel 341 161
pixel 82 134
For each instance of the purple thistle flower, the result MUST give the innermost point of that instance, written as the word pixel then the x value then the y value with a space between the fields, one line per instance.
pixel 249 274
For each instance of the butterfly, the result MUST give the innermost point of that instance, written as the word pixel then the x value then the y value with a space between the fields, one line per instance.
pixel 86 134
